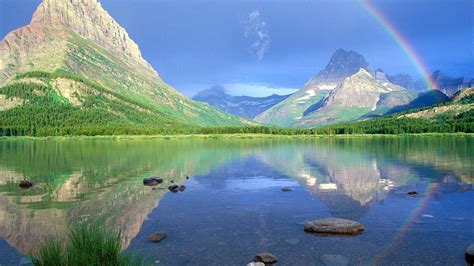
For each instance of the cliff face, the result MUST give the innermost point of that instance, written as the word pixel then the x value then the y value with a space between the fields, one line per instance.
pixel 88 19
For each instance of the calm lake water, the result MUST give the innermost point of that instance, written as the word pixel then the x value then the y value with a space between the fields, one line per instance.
pixel 233 207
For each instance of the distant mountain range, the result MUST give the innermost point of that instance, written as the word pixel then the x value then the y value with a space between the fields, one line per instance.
pixel 75 65
pixel 348 90
pixel 244 106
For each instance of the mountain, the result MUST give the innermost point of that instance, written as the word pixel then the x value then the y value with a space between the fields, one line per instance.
pixel 244 106
pixel 444 83
pixel 342 64
pixel 75 65
pixel 460 106
pixel 347 90
pixel 403 80
pixel 447 84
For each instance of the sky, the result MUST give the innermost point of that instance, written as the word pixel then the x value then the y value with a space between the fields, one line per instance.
pixel 263 47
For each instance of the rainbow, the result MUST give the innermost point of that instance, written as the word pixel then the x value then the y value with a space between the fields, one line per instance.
pixel 401 41
pixel 405 227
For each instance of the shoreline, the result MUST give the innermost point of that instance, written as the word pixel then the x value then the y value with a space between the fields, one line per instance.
pixel 234 136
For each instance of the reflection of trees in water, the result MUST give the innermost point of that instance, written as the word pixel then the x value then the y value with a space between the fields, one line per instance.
pixel 93 182
pixel 100 181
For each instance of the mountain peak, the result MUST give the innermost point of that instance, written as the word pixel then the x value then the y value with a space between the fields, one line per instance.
pixel 88 19
pixel 343 61
pixel 342 64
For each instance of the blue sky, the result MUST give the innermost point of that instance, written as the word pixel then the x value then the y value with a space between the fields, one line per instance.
pixel 271 46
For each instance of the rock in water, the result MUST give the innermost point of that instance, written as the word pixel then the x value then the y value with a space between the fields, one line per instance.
pixel 156 237
pixel 173 188
pixel 182 188
pixel 265 258
pixel 292 241
pixel 286 189
pixel 152 181
pixel 334 226
pixel 26 184
pixel 469 255
pixel 412 193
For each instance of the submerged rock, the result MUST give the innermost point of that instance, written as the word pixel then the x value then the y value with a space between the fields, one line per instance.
pixel 469 255
pixel 26 184
pixel 173 188
pixel 286 189
pixel 336 226
pixel 265 258
pixel 412 193
pixel 156 237
pixel 292 241
pixel 152 181
pixel 334 260
pixel 182 188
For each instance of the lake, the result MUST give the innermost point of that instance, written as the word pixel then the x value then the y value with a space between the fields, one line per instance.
pixel 233 206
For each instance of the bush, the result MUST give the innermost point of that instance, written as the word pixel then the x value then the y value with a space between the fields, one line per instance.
pixel 85 245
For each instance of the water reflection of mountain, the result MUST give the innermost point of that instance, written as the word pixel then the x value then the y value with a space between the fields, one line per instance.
pixel 93 182
pixel 349 174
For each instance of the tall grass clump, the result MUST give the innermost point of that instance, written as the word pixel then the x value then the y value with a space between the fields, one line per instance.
pixel 85 245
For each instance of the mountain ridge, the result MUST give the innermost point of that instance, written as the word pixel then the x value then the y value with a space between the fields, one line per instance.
pixel 245 106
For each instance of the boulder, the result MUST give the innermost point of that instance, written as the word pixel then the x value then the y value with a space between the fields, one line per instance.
pixel 182 188
pixel 334 226
pixel 156 237
pixel 469 255
pixel 265 258
pixel 152 181
pixel 286 189
pixel 26 184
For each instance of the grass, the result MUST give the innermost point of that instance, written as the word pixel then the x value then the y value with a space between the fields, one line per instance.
pixel 85 245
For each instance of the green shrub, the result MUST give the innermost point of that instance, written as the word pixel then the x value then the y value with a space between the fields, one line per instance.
pixel 85 245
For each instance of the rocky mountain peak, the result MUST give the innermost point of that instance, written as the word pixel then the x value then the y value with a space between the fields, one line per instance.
pixel 88 19
pixel 342 64
pixel 346 63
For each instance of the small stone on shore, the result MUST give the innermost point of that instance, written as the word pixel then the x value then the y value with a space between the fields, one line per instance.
pixel 25 184
pixel 173 188
pixel 152 181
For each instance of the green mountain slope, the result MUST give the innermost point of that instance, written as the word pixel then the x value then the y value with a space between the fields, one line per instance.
pixel 73 64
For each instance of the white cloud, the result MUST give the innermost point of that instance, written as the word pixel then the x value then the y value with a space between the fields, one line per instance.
pixel 255 28
pixel 256 89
